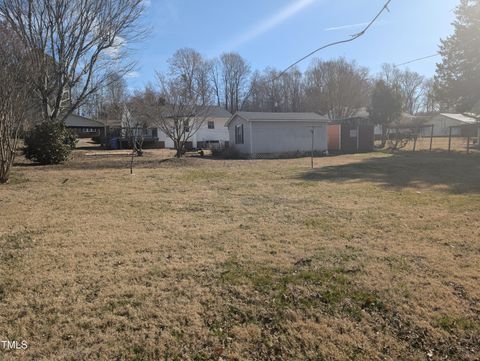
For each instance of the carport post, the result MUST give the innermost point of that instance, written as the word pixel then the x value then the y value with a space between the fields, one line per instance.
pixel 431 139
pixel 468 145
pixel 414 143
pixel 450 140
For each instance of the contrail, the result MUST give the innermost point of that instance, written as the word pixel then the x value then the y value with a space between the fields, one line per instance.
pixel 271 22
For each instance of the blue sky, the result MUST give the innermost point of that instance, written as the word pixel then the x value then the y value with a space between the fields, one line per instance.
pixel 278 32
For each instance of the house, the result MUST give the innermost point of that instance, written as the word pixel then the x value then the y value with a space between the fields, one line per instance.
pixel 84 127
pixel 258 135
pixel 443 121
pixel 136 127
pixel 352 135
pixel 212 134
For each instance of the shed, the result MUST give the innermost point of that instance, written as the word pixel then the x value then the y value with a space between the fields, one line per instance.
pixel 271 135
pixel 84 127
pixel 351 135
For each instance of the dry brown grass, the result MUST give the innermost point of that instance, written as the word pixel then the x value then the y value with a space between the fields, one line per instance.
pixel 367 257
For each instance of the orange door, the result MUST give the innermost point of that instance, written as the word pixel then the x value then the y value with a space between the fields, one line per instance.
pixel 334 134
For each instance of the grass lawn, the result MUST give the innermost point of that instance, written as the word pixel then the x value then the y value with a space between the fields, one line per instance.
pixel 366 257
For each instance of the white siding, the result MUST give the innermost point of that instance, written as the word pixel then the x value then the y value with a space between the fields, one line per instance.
pixel 288 137
pixel 277 138
pixel 220 133
pixel 442 126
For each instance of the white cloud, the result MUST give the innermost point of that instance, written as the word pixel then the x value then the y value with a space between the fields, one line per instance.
pixel 271 22
pixel 115 50
pixel 133 74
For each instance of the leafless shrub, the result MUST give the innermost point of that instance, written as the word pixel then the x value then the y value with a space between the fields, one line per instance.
pixel 15 98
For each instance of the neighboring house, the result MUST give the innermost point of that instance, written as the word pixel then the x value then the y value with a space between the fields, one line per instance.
pixel 442 123
pixel 258 135
pixel 212 134
pixel 84 127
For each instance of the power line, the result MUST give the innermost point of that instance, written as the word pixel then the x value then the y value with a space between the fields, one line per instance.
pixel 418 59
pixel 352 38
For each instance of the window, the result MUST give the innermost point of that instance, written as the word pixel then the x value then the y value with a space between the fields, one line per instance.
pixel 211 125
pixel 239 134
pixel 186 126
pixel 353 133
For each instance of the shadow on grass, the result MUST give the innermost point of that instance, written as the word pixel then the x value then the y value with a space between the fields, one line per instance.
pixel 457 173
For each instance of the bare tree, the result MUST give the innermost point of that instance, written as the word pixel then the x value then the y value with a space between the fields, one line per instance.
pixel 409 84
pixel 74 46
pixel 188 67
pixel 336 88
pixel 133 130
pixel 178 116
pixel 15 96
pixel 230 76
pixel 271 93
pixel 430 103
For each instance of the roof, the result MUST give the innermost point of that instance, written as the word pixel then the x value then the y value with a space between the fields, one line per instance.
pixel 200 110
pixel 460 117
pixel 407 121
pixel 74 120
pixel 219 112
pixel 279 117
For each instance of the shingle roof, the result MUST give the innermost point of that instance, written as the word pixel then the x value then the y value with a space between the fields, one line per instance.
pixel 281 117
pixel 219 112
pixel 74 120
pixel 460 117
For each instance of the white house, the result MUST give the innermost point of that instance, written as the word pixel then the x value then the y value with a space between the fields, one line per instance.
pixel 259 135
pixel 442 123
pixel 213 132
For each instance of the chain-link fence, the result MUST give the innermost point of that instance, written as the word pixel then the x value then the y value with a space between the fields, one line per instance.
pixel 463 139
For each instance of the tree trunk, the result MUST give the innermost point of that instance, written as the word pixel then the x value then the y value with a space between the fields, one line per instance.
pixel 5 166
pixel 384 136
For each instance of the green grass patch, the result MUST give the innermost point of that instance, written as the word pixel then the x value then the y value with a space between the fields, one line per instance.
pixel 309 289
pixel 451 324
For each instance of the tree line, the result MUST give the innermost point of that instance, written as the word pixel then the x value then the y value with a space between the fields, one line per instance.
pixel 336 88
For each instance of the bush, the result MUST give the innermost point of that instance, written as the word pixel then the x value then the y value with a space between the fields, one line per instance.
pixel 49 143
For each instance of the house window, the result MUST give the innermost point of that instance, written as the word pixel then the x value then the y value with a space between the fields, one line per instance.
pixel 239 134
pixel 353 133
pixel 186 126
pixel 211 125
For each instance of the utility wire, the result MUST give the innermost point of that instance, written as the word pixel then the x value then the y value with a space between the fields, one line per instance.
pixel 352 38
pixel 418 59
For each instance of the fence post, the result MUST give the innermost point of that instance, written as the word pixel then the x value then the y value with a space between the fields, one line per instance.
pixel 313 147
pixel 450 140
pixel 431 139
